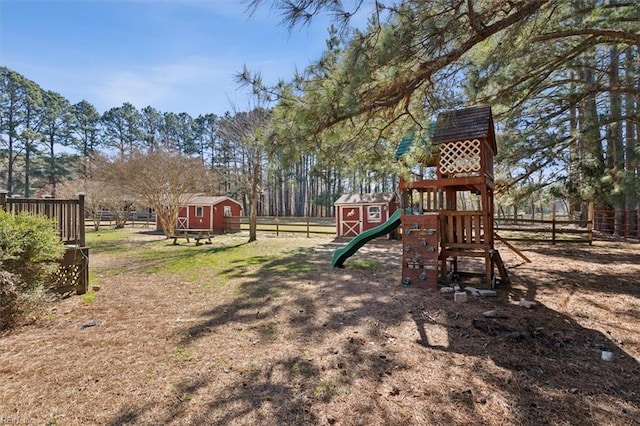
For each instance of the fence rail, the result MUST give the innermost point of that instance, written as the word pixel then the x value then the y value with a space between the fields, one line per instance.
pixel 533 230
pixel 530 230
pixel 295 225
pixel 557 229
pixel 624 224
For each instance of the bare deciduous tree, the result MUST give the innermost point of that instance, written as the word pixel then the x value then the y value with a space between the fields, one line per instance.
pixel 247 135
pixel 162 179
pixel 96 195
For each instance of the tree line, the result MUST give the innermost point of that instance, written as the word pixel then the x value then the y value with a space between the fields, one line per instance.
pixel 562 77
pixel 46 142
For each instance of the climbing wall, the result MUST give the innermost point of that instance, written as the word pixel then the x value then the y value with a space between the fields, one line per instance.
pixel 420 251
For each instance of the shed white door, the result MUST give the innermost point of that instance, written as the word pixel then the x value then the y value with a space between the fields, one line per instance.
pixel 351 221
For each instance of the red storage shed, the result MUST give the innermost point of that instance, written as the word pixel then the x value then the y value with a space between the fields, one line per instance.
pixel 218 214
pixel 356 213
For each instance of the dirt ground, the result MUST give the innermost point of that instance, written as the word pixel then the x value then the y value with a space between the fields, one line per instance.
pixel 293 341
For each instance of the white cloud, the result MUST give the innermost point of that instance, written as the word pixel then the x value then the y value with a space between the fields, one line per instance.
pixel 127 86
pixel 196 86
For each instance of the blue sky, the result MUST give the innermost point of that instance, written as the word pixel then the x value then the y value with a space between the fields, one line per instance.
pixel 175 55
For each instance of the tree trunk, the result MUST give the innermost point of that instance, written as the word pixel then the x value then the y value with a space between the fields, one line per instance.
pixel 12 158
pixel 589 130
pixel 52 166
pixel 631 141
pixel 614 142
pixel 574 155
pixel 27 166
pixel 254 193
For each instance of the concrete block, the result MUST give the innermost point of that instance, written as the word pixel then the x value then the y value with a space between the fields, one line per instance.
pixel 473 291
pixel 528 304
pixel 460 297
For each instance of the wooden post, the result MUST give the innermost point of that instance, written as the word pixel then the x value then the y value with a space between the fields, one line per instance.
pixel 553 225
pixel 3 200
pixel 307 226
pixel 81 228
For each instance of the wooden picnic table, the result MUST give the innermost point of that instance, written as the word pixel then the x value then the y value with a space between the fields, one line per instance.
pixel 196 234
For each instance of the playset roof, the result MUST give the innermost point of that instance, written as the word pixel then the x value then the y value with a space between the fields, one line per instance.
pixel 474 122
pixel 467 123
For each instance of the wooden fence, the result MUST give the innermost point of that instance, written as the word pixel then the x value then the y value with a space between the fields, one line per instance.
pixel 548 231
pixel 294 225
pixel 623 224
pixel 555 230
pixel 68 217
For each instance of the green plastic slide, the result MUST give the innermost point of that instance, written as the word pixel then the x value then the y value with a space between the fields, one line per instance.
pixel 343 253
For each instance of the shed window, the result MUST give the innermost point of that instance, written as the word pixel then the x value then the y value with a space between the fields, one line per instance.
pixel 199 211
pixel 374 214
pixel 227 211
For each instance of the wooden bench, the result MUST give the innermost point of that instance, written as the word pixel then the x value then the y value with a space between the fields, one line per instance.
pixel 196 234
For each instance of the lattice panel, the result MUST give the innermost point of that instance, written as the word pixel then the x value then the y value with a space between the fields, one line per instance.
pixel 66 279
pixel 72 274
pixel 460 157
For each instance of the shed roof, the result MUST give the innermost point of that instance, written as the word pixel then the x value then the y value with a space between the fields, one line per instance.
pixel 474 122
pixel 370 198
pixel 206 200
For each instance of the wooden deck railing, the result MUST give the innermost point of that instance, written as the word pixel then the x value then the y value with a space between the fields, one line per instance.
pixel 68 217
pixel 68 214
pixel 463 229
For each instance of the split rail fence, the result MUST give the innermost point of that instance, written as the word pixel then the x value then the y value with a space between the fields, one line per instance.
pixel 293 225
pixel 557 229
pixel 554 230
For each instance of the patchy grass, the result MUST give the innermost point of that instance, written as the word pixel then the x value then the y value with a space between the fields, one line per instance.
pixel 211 265
pixel 362 263
pixel 89 297
pixel 182 355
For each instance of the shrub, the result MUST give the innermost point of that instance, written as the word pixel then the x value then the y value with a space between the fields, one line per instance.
pixel 8 298
pixel 29 252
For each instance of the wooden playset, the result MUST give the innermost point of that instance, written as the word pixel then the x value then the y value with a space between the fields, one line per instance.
pixel 448 214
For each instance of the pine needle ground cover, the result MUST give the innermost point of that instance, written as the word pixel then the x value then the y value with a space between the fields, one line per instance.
pixel 268 333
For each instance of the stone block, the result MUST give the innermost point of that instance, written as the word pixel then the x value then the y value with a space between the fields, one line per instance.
pixel 460 297
pixel 528 304
pixel 473 291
